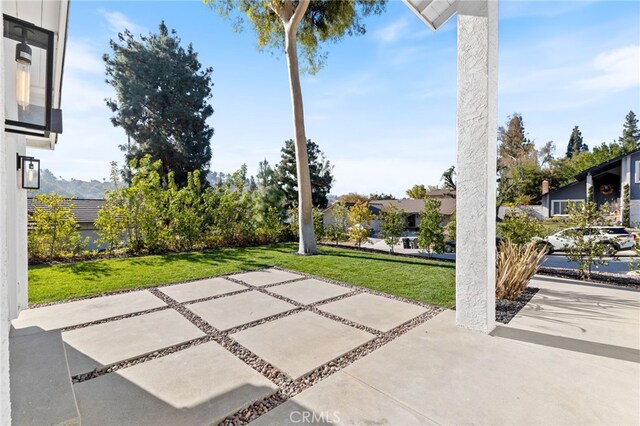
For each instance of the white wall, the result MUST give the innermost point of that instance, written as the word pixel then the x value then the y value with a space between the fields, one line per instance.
pixel 5 401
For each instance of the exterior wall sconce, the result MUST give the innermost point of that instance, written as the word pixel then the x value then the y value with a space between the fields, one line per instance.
pixel 30 171
pixel 28 105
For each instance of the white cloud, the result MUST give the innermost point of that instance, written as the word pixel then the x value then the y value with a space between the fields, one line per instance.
pixel 82 56
pixel 391 32
pixel 617 69
pixel 118 22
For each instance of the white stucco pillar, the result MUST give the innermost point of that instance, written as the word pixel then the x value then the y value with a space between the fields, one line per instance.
pixel 5 401
pixel 589 187
pixel 477 156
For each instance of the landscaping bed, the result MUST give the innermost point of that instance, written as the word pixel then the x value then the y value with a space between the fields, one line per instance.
pixel 506 310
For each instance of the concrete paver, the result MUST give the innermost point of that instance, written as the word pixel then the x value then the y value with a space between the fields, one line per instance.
pixel 377 312
pixel 266 277
pixel 83 311
pixel 299 343
pixel 105 344
pixel 199 385
pixel 200 289
pixel 342 400
pixel 309 291
pixel 228 312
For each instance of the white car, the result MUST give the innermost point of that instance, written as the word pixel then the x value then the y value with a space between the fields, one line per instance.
pixel 612 238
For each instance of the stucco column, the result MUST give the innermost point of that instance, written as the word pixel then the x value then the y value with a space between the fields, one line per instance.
pixel 477 156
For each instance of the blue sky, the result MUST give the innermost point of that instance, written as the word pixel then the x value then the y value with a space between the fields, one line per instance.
pixel 383 109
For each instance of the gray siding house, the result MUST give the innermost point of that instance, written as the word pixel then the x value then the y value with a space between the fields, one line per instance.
pixel 607 180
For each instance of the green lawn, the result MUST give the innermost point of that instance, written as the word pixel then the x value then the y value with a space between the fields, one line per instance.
pixel 423 280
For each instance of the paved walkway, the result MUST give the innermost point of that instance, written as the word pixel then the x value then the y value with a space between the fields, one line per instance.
pixel 275 347
pixel 198 352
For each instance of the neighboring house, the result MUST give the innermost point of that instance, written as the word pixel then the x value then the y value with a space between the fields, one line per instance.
pixel 85 212
pixel 608 180
pixel 412 207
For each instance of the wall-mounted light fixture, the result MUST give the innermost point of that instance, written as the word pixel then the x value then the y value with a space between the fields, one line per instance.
pixel 28 106
pixel 30 168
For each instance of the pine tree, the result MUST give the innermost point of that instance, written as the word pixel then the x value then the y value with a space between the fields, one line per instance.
pixel 630 138
pixel 320 170
pixel 161 102
pixel 576 143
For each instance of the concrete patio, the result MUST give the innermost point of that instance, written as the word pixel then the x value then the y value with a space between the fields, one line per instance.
pixel 275 347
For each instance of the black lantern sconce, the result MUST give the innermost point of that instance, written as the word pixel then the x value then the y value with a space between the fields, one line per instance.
pixel 28 108
pixel 30 168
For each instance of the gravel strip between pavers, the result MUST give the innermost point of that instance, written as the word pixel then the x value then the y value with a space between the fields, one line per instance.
pixel 265 405
pixel 78 378
pixel 119 317
pixel 217 296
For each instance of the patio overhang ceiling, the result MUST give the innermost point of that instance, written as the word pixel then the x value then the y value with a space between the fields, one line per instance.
pixel 434 13
pixel 52 15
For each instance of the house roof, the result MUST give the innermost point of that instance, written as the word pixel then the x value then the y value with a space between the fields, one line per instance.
pixel 409 205
pixel 599 168
pixel 442 192
pixel 84 210
pixel 604 166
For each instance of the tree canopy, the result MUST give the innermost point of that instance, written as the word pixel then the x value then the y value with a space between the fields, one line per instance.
pixel 323 22
pixel 576 143
pixel 630 138
pixel 162 101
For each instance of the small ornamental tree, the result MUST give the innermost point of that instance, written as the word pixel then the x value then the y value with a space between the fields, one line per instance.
pixel 450 228
pixel 394 222
pixel 360 218
pixel 185 213
pixel 338 230
pixel 109 222
pixel 54 233
pixel 417 192
pixel 431 235
pixel 145 208
pixel 626 210
pixel 587 248
pixel 520 228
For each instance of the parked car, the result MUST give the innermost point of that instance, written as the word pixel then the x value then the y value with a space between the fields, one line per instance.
pixel 612 238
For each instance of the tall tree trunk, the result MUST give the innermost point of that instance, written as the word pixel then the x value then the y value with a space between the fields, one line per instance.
pixel 305 206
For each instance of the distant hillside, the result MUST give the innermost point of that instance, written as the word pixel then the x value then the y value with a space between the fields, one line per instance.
pixel 96 189
pixel 72 188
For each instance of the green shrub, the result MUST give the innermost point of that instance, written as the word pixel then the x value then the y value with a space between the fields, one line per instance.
pixel 54 231
pixel 520 227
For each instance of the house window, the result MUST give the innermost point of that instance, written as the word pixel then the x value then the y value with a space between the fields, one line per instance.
pixel 411 221
pixel 637 172
pixel 561 207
